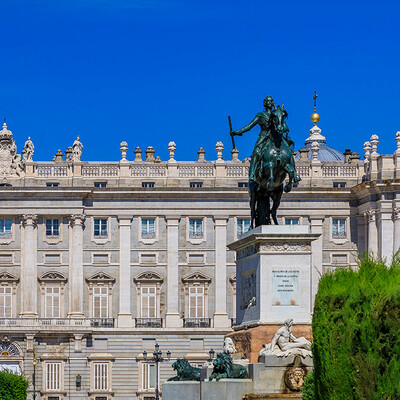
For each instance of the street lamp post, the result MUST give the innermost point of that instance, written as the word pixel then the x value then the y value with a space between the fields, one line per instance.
pixel 157 358
pixel 211 354
pixel 34 373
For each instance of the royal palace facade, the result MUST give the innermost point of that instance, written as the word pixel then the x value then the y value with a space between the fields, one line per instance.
pixel 99 261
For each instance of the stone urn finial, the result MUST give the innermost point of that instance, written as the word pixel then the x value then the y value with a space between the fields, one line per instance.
pixel 201 155
pixel 398 142
pixel 123 147
pixel 219 148
pixel 235 155
pixel 171 149
pixel 314 150
pixel 374 144
pixel 138 154
pixel 149 154
pixel 367 150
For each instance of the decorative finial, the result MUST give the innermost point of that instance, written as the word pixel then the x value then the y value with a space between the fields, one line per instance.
pixel 315 116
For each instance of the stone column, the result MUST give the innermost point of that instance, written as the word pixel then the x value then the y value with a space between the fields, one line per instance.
pixel 396 236
pixel 76 267
pixel 221 319
pixel 124 315
pixel 29 267
pixel 316 225
pixel 385 232
pixel 372 233
pixel 172 318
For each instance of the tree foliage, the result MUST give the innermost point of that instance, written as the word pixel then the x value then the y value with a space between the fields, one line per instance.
pixel 13 387
pixel 356 333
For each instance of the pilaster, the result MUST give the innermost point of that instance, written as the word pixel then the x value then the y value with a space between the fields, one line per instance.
pixel 29 267
pixel 396 230
pixel 221 319
pixel 385 231
pixel 124 315
pixel 172 318
pixel 76 266
pixel 316 256
pixel 372 232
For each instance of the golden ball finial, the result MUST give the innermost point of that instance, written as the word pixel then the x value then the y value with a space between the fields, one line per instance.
pixel 315 118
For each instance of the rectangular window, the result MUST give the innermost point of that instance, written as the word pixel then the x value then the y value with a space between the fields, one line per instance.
pixel 100 227
pixel 196 184
pixel 243 184
pixel 52 184
pixel 148 228
pixel 339 184
pixel 6 258
pixel 195 228
pixel 100 184
pixel 52 227
pixel 5 228
pixel 52 259
pixel 196 302
pixel 5 302
pixel 100 376
pixel 149 302
pixel 52 302
pixel 148 258
pixel 243 226
pixel 100 258
pixel 291 221
pixel 339 228
pixel 148 376
pixel 147 184
pixel 340 259
pixel 53 376
pixel 196 259
pixel 100 302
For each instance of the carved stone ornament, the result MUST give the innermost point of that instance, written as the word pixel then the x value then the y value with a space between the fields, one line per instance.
pixel 148 277
pixel 10 162
pixel 370 214
pixel 100 277
pixel 279 247
pixel 247 251
pixel 7 277
pixel 7 348
pixel 53 277
pixel 249 291
pixel 294 378
pixel 197 277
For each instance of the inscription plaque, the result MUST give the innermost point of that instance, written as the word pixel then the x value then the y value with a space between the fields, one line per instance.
pixel 285 287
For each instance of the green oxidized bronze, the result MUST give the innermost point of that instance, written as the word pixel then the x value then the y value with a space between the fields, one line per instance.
pixel 225 368
pixel 271 161
pixel 184 371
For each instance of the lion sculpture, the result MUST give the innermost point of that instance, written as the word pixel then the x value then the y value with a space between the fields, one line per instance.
pixel 185 372
pixel 225 368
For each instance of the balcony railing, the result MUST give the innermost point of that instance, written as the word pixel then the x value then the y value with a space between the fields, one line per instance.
pixel 148 322
pixel 196 322
pixel 20 322
pixel 102 322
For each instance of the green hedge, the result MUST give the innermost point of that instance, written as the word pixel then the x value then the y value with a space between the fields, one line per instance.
pixel 12 387
pixel 356 333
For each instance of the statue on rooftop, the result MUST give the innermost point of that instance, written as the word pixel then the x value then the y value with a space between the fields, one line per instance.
pixel 284 343
pixel 77 150
pixel 28 150
pixel 271 161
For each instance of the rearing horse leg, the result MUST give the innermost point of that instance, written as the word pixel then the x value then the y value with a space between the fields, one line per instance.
pixel 276 199
pixel 271 180
pixel 253 202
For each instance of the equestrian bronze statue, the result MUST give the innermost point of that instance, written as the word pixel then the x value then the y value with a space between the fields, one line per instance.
pixel 271 161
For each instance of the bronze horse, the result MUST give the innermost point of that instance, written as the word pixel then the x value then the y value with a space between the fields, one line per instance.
pixel 277 162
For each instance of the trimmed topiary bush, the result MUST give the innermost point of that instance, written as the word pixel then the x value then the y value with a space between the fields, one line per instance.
pixel 356 333
pixel 13 387
pixel 308 391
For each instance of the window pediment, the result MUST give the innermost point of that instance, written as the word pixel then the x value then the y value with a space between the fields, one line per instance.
pixel 8 278
pixel 148 277
pixel 101 277
pixel 8 349
pixel 53 276
pixel 196 277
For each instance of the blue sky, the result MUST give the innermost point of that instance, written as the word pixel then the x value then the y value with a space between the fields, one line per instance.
pixel 152 71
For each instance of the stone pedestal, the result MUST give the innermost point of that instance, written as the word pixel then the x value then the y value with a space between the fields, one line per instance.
pixel 274 275
pixel 188 390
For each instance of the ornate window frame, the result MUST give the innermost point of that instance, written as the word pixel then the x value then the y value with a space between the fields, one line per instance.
pixel 339 240
pixel 236 223
pixel 200 239
pixel 49 358
pixel 11 238
pixel 52 278
pixel 143 392
pixel 11 352
pixel 156 230
pixel 146 279
pixel 10 280
pixel 196 279
pixel 51 239
pixel 100 279
pixel 100 240
pixel 103 358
